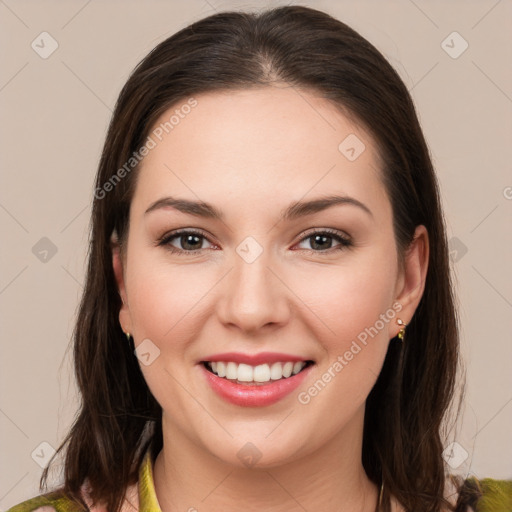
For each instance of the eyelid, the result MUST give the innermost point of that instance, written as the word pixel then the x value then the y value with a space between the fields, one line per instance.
pixel 331 231
pixel 166 237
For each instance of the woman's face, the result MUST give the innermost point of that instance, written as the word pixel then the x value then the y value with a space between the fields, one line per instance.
pixel 257 287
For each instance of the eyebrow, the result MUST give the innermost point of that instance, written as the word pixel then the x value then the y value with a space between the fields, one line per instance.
pixel 293 211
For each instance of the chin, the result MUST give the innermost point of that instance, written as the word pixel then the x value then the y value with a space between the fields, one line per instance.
pixel 258 452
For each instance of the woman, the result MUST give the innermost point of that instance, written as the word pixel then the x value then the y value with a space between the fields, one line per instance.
pixel 268 319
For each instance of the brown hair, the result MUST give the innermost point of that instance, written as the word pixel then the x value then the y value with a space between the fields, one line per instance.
pixel 119 419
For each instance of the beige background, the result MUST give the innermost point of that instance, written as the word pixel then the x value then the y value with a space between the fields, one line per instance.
pixel 54 117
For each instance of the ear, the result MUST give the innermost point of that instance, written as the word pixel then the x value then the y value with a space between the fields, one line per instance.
pixel 118 265
pixel 411 281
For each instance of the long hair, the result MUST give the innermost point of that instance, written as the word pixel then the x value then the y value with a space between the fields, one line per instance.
pixel 119 419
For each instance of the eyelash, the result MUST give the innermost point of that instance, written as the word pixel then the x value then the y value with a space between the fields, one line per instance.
pixel 344 241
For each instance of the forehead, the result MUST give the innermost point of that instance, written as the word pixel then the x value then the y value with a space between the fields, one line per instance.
pixel 258 147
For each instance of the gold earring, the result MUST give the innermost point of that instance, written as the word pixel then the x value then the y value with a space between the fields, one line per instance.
pixel 128 336
pixel 401 332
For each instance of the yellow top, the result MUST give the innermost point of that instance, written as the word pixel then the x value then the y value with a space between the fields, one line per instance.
pixel 147 496
pixel 497 496
pixel 140 497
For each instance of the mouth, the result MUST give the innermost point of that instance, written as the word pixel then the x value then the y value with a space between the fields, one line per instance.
pixel 256 375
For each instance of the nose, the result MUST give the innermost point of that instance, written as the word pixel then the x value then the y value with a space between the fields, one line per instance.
pixel 253 296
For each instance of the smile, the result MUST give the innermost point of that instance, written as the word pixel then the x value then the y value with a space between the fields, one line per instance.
pixel 256 380
pixel 247 374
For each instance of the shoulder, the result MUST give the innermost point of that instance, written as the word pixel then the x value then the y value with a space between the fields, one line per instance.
pixel 58 501
pixel 51 502
pixel 495 495
pixel 483 495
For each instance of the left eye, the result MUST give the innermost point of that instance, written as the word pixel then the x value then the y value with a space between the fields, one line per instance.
pixel 322 240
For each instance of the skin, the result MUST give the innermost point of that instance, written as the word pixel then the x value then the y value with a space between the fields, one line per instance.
pixel 251 153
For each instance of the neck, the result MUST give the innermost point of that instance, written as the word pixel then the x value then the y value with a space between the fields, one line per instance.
pixel 331 478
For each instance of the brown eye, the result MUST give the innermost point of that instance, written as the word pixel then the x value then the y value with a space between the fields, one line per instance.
pixel 322 241
pixel 185 241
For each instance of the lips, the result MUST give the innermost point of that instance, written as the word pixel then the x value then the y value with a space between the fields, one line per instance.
pixel 254 380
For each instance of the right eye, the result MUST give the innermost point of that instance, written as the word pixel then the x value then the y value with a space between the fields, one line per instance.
pixel 189 240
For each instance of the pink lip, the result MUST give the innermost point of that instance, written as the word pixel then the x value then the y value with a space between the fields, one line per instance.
pixel 254 395
pixel 254 359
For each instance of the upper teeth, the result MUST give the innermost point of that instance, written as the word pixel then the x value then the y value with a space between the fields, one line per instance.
pixel 261 373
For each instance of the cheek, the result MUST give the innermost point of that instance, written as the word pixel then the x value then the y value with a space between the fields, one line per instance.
pixel 165 301
pixel 353 312
pixel 348 299
pixel 166 304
